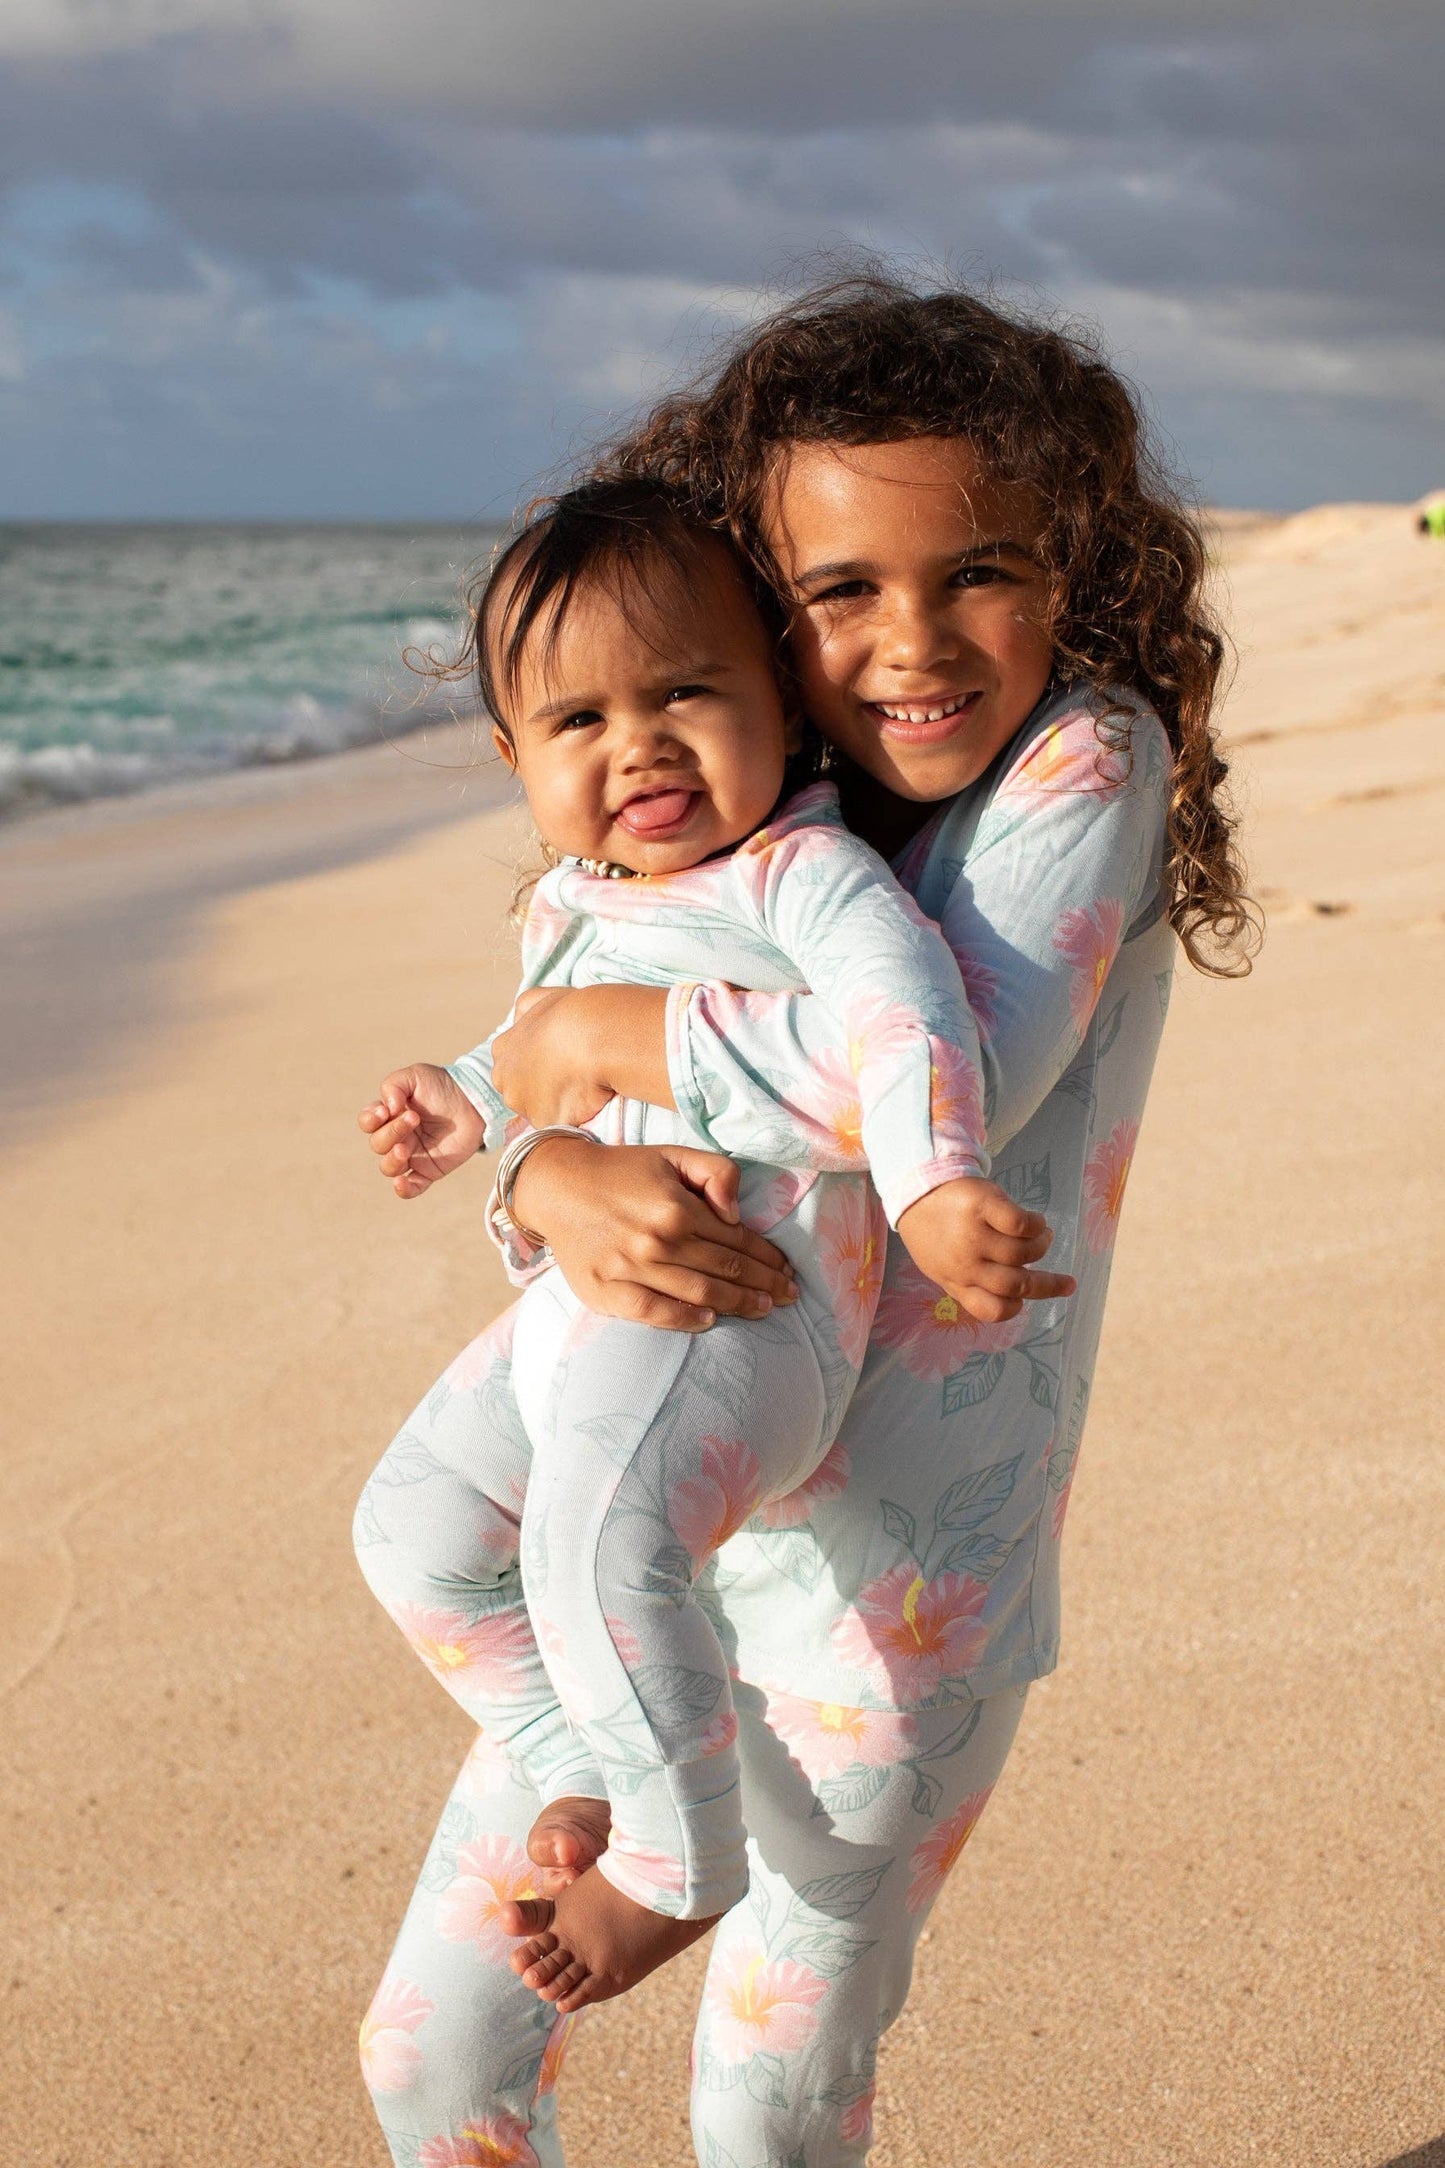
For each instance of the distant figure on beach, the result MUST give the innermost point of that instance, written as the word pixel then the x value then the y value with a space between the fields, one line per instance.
pixel 994 623
pixel 1432 517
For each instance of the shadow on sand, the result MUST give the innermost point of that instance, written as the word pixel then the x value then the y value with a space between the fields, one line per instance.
pixel 1429 2155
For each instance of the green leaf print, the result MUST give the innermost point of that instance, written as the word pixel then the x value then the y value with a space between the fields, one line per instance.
pixel 409 1461
pixel 674 1694
pixel 1029 1183
pixel 829 1951
pixel 521 2076
pixel 458 1826
pixel 766 2079
pixel 954 1742
pixel 840 1896
pixel 971 1385
pixel 927 1793
pixel 669 1573
pixel 900 1525
pixel 1163 987
pixel 975 1498
pixel 856 1788
pixel 405 2146
pixel 1109 1029
pixel 1066 1450
pixel 366 1529
pixel 793 1552
pixel 718 2078
pixel 1043 1384
pixel 713 2154
pixel 977 1554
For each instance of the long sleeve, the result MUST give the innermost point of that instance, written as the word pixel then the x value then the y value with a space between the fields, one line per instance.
pixel 899 1086
pixel 1035 888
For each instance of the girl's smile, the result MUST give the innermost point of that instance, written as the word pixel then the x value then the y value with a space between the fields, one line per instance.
pixel 918 636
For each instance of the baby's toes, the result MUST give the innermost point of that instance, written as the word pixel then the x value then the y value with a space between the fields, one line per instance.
pixel 566 1984
pixel 532 1953
pixel 547 1968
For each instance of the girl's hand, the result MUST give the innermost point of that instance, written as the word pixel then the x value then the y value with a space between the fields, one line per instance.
pixel 650 1232
pixel 421 1127
pixel 973 1241
pixel 572 1048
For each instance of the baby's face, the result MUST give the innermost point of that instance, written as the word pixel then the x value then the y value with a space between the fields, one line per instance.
pixel 654 743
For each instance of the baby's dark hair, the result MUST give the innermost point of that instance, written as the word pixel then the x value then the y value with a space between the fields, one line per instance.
pixel 620 532
pixel 871 359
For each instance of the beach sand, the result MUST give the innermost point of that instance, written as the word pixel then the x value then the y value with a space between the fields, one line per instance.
pixel 1200 1924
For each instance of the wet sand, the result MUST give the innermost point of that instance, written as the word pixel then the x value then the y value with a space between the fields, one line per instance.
pixel 1200 1924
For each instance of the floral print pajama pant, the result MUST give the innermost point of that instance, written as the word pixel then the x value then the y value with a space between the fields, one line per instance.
pixel 812 1965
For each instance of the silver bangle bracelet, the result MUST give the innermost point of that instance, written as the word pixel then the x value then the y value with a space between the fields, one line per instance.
pixel 502 1216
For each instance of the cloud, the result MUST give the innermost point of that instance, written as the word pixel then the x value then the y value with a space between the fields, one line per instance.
pixel 566 201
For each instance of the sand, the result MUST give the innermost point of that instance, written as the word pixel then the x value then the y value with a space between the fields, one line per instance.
pixel 1201 1923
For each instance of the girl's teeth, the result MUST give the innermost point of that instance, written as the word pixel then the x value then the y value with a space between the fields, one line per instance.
pixel 920 715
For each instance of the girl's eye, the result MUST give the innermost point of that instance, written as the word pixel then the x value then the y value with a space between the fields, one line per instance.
pixel 844 591
pixel 686 692
pixel 983 575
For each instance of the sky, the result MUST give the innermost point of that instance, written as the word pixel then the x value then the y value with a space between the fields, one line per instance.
pixel 362 259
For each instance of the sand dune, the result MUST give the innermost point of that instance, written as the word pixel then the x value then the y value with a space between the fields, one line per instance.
pixel 1200 1926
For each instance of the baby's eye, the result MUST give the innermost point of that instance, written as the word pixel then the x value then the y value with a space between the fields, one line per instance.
pixel 582 720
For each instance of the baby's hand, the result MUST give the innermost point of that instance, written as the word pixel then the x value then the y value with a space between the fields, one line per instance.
pixel 972 1240
pixel 421 1127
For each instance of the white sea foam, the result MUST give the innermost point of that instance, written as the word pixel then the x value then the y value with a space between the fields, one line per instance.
pixel 131 656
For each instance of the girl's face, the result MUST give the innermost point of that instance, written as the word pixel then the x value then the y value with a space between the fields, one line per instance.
pixel 653 737
pixel 918 635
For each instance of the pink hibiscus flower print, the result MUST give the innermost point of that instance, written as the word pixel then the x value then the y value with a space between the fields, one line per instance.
pixel 390 2057
pixel 981 986
pixel 487 1769
pixel 1089 937
pixel 451 1645
pixel 755 2004
pixel 783 1194
pixel 827 1737
pixel 851 1242
pixel 955 1092
pixel 493 2141
pixel 556 2053
pixel 829 1480
pixel 932 1861
pixel 719 1736
pixel 625 1641
pixel 909 1634
pixel 479 1358
pixel 828 1097
pixel 1105 1179
pixel 644 1875
pixel 707 1508
pixel 931 1330
pixel 491 1873
pixel 855 2124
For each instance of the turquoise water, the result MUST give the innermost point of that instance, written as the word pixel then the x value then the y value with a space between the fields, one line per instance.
pixel 131 655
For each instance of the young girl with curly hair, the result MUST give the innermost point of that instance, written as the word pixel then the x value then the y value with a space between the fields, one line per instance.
pixel 996 626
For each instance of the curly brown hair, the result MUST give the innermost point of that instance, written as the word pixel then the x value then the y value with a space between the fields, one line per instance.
pixel 870 359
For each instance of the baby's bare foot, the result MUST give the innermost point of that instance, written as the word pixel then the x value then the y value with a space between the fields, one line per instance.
pixel 566 1838
pixel 591 1943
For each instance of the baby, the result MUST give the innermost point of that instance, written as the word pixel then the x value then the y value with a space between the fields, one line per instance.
pixel 625 657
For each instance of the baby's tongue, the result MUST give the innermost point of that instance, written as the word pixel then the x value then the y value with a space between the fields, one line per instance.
pixel 644 816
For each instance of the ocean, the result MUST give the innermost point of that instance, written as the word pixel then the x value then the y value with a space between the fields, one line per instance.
pixel 131 655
